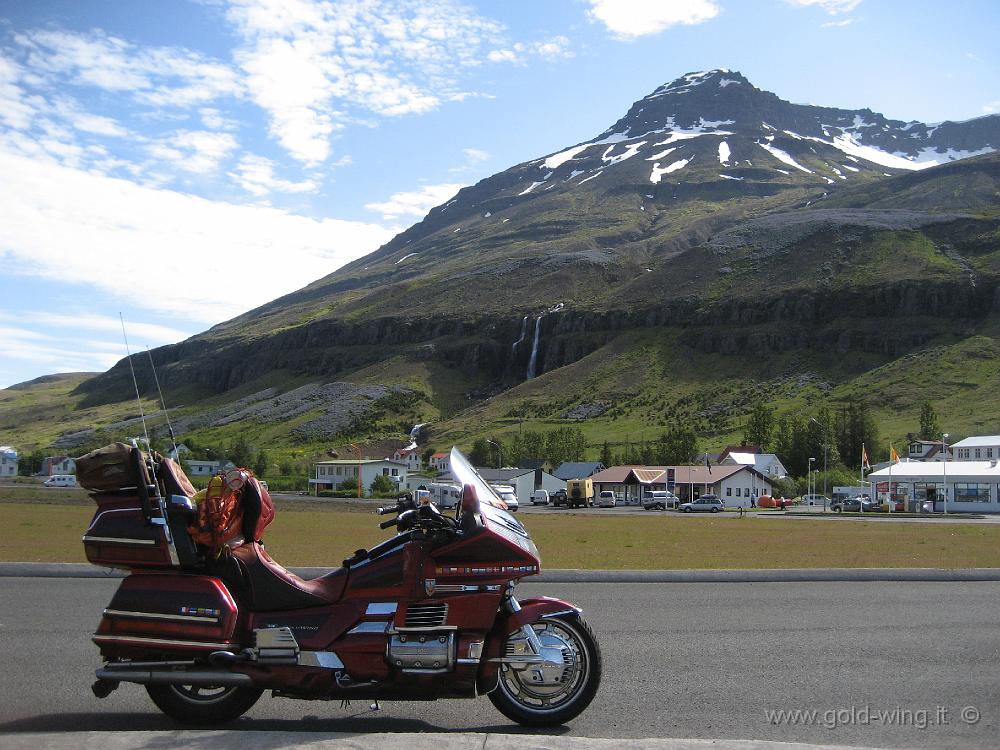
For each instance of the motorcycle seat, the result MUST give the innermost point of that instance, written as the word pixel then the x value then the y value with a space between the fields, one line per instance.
pixel 270 587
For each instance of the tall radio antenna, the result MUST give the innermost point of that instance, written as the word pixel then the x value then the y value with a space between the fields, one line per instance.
pixel 135 382
pixel 163 404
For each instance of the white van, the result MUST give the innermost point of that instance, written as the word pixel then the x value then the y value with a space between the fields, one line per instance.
pixel 445 495
pixel 60 480
pixel 540 497
pixel 507 494
pixel 606 499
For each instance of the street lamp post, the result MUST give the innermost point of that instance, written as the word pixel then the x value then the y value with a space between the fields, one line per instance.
pixel 499 448
pixel 826 451
pixel 809 478
pixel 944 441
pixel 357 450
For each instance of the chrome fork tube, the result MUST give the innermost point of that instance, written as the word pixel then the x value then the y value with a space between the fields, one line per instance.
pixel 529 632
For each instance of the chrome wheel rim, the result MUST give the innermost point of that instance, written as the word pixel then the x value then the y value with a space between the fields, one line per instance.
pixel 546 695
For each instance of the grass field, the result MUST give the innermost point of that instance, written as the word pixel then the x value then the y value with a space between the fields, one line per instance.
pixel 50 532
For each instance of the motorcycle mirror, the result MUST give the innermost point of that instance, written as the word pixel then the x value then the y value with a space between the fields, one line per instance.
pixel 236 478
pixel 470 500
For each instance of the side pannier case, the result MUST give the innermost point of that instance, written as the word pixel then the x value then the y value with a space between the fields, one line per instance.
pixel 172 612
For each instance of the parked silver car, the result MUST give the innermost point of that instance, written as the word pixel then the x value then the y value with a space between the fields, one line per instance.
pixel 703 504
pixel 660 500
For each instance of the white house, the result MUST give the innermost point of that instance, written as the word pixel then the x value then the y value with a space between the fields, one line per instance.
pixel 58 465
pixel 440 462
pixel 976 448
pixel 965 486
pixel 8 461
pixel 329 474
pixel 928 450
pixel 409 457
pixel 737 486
pixel 198 468
pixel 767 464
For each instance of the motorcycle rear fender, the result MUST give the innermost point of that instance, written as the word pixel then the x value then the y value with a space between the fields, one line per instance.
pixel 532 610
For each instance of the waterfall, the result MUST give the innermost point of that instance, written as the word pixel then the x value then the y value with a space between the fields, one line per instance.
pixel 414 433
pixel 533 362
pixel 524 332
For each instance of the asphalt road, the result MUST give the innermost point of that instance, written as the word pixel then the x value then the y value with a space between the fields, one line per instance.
pixel 681 660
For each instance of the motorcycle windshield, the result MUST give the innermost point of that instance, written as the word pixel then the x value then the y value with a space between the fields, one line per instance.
pixel 490 503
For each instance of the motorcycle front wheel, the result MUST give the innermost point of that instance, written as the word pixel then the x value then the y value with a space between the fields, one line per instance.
pixel 550 696
pixel 204 705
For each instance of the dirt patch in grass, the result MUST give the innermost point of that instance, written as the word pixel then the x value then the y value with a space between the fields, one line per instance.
pixel 35 532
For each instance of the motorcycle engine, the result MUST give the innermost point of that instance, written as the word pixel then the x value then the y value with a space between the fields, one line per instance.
pixel 422 652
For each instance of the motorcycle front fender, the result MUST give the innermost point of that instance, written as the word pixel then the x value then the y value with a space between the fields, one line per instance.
pixel 507 622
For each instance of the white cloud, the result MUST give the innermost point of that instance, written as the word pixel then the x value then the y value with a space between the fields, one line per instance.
pixel 310 64
pixel 16 110
pixel 630 19
pixel 198 151
pixel 837 24
pixel 144 246
pixel 213 119
pixel 476 155
pixel 161 76
pixel 502 55
pixel 415 202
pixel 255 174
pixel 832 7
pixel 555 48
pixel 992 107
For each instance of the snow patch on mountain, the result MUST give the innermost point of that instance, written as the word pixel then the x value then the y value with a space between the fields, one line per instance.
pixel 782 156
pixel 408 255
pixel 724 152
pixel 659 171
pixel 729 177
pixel 557 160
pixel 661 154
pixel 933 156
pixel 531 187
pixel 631 150
pixel 598 173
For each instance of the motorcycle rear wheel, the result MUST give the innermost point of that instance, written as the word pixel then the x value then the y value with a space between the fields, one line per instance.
pixel 198 704
pixel 546 706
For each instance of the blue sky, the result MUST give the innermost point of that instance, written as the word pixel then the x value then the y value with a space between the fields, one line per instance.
pixel 181 161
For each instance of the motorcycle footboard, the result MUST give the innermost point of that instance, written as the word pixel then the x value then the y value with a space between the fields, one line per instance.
pixel 168 614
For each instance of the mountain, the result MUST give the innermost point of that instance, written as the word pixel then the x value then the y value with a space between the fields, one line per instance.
pixel 713 220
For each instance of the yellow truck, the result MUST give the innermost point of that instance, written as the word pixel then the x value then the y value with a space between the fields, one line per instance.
pixel 579 493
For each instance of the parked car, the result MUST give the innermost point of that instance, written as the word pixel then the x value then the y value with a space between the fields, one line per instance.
pixel 60 480
pixel 859 504
pixel 540 497
pixel 660 500
pixel 606 499
pixel 559 498
pixel 703 504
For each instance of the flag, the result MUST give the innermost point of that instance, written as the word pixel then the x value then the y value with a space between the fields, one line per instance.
pixel 864 458
pixel 893 456
pixel 707 464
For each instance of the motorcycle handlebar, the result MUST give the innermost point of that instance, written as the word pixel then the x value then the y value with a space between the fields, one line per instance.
pixel 387 524
pixel 380 511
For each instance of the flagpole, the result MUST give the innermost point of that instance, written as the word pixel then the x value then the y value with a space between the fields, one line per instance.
pixel 891 451
pixel 864 455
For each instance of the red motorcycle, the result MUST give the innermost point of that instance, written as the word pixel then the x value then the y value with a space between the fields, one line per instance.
pixel 427 614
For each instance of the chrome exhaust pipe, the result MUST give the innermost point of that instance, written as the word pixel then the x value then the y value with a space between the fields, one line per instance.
pixel 204 677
